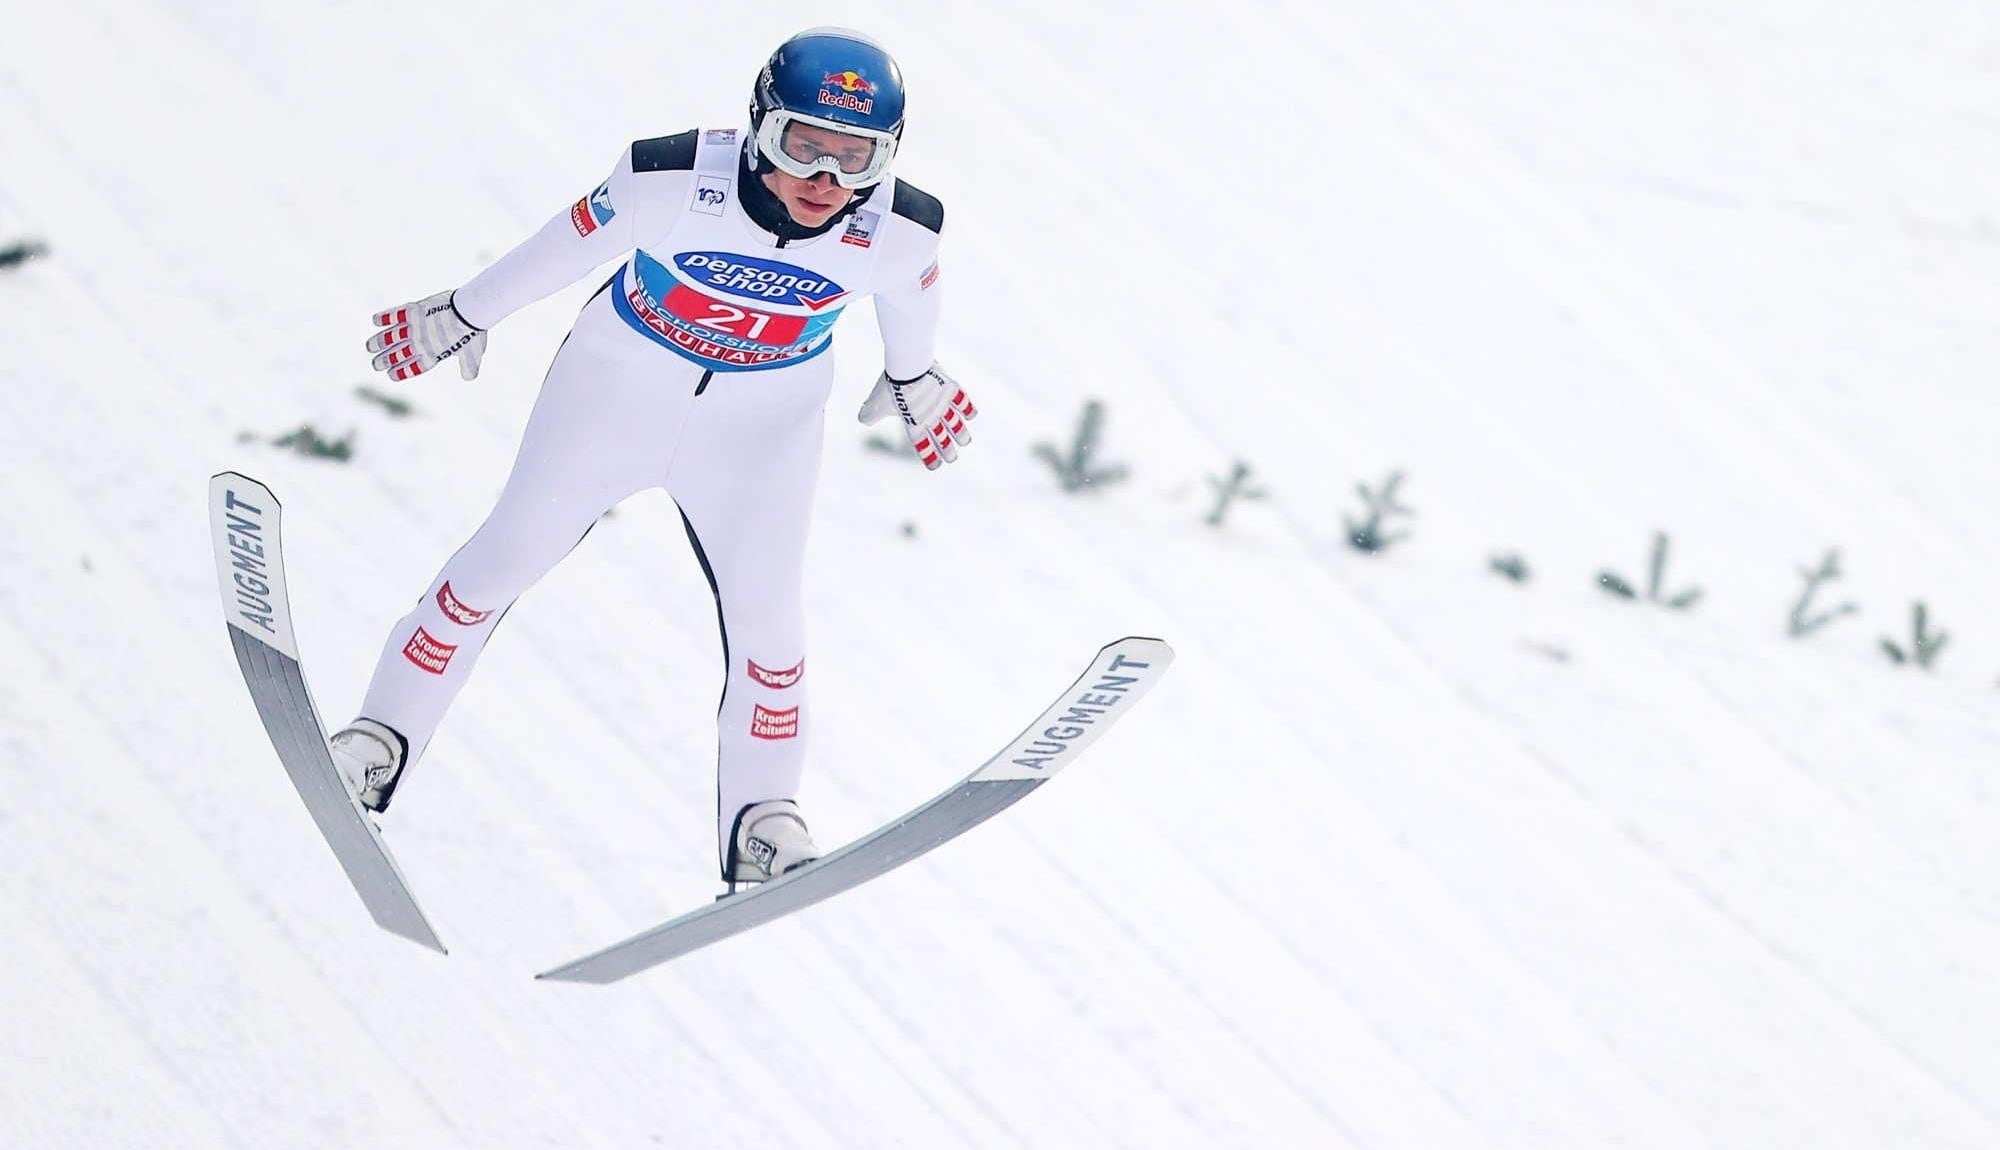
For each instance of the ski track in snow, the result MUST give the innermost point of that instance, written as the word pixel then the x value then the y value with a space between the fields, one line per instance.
pixel 1372 869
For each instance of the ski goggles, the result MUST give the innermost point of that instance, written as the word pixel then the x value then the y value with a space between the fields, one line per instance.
pixel 805 146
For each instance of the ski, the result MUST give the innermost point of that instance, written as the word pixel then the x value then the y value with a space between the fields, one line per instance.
pixel 244 520
pixel 1114 681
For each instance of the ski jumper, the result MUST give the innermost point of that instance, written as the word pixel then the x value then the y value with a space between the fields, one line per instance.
pixel 701 367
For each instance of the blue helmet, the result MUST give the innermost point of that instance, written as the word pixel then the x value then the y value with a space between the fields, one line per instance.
pixel 837 81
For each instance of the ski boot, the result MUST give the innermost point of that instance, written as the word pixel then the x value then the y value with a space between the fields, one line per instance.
pixel 770 839
pixel 370 757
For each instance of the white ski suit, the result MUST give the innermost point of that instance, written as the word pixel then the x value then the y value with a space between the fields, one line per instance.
pixel 701 367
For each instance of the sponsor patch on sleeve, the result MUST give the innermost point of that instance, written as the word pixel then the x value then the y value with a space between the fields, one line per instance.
pixel 593 211
pixel 930 276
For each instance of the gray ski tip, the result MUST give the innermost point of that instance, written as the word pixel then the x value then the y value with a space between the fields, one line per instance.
pixel 578 970
pixel 240 477
pixel 430 942
pixel 1164 646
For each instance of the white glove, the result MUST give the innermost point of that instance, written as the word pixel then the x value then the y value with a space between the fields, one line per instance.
pixel 418 336
pixel 934 409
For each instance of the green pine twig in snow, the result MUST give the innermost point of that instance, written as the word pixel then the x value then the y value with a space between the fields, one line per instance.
pixel 1074 468
pixel 1803 623
pixel 1367 535
pixel 1229 490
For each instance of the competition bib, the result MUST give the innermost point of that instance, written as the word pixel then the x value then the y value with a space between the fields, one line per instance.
pixel 729 310
pixel 732 312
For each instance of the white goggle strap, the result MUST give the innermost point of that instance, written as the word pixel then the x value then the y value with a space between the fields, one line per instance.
pixel 770 142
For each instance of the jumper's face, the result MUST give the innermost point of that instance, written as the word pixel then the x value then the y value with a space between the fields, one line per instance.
pixel 814 201
pixel 810 202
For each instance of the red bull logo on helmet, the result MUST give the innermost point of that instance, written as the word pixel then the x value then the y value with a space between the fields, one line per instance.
pixel 849 82
pixel 847 90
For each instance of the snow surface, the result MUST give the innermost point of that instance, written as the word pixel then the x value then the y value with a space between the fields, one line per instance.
pixel 1399 855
